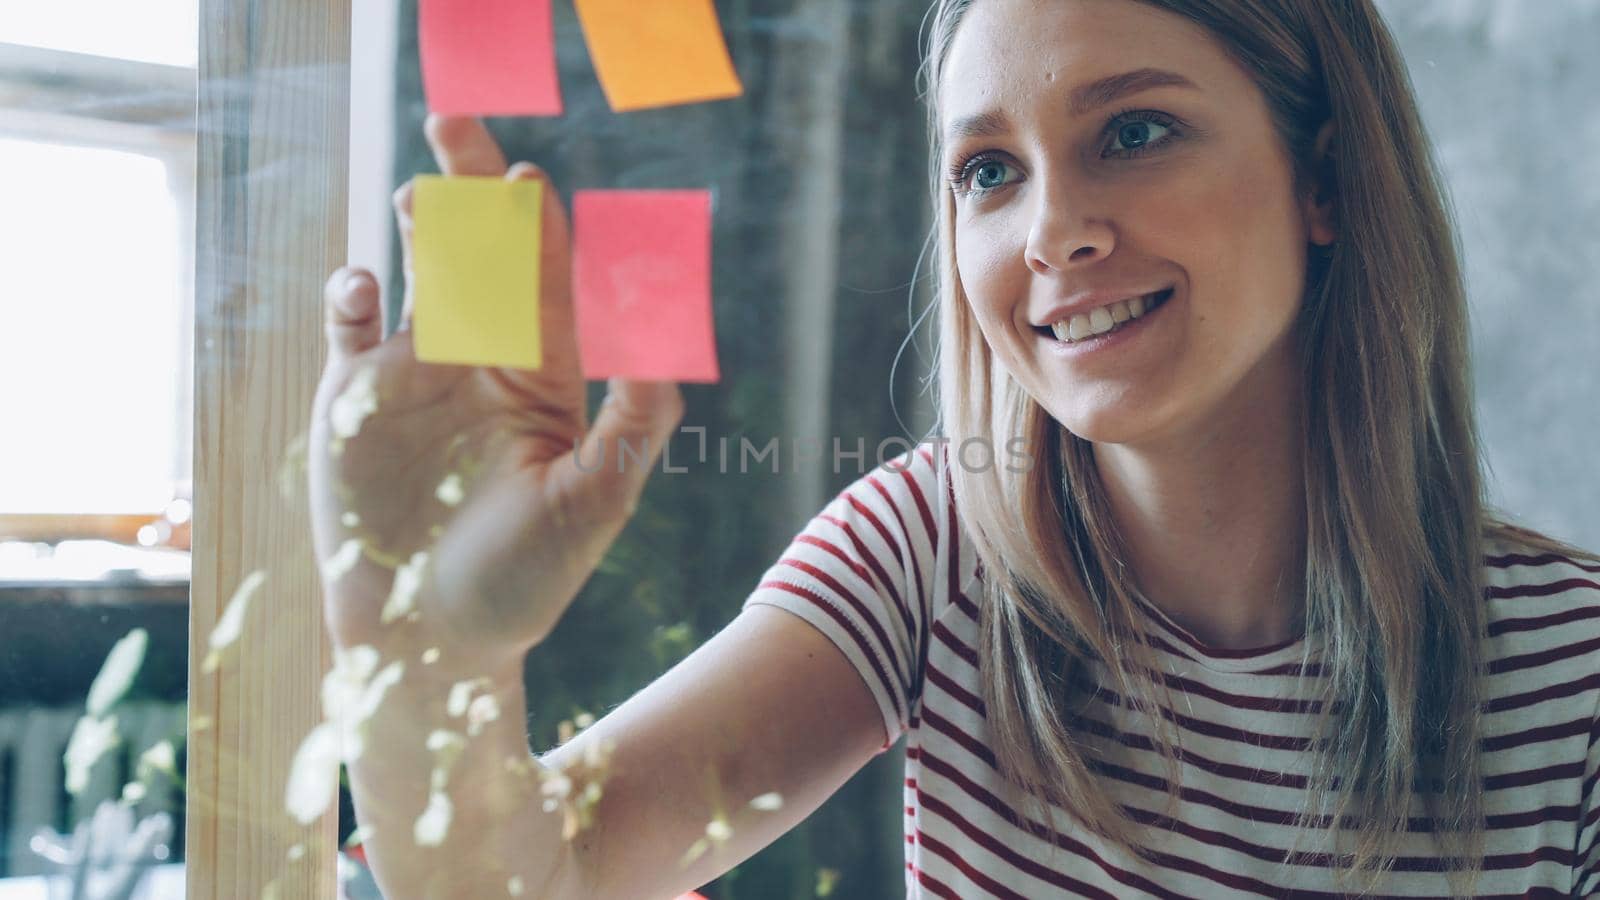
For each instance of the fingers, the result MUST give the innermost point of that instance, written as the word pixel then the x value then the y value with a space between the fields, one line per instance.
pixel 555 267
pixel 463 146
pixel 555 214
pixel 351 313
pixel 643 414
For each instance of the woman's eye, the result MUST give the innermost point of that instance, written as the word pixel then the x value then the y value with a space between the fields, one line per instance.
pixel 978 175
pixel 1136 136
pixel 988 174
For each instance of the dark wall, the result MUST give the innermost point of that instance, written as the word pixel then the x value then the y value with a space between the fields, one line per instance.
pixel 819 177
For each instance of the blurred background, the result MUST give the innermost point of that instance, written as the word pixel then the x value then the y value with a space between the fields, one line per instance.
pixel 819 178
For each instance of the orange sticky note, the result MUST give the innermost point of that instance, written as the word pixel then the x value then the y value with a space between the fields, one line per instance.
pixel 488 57
pixel 641 278
pixel 651 53
pixel 475 270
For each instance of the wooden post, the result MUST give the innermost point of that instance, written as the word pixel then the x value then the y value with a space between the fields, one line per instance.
pixel 273 139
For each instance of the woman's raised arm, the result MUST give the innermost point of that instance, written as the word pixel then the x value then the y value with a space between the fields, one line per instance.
pixel 454 528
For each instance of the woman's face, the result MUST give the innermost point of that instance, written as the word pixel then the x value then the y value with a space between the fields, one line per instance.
pixel 1068 198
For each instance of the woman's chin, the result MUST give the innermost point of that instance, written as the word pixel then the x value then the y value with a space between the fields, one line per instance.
pixel 1105 426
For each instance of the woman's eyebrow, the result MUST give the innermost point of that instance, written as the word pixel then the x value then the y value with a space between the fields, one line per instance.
pixel 1085 99
pixel 1096 94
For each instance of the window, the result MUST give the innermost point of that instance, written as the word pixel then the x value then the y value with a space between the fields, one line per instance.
pixel 97 168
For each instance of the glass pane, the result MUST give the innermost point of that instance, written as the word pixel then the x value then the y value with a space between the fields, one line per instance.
pixel 95 348
pixel 157 31
pixel 822 261
pixel 91 330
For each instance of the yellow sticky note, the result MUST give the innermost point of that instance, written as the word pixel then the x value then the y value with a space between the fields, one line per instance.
pixel 475 270
pixel 651 53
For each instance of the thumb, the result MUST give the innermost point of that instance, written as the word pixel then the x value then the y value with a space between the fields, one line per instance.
pixel 632 427
pixel 351 313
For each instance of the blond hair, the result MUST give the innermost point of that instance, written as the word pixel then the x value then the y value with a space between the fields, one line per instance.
pixel 1396 517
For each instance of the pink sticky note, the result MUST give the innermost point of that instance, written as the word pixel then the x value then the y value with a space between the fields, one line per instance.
pixel 641 277
pixel 489 57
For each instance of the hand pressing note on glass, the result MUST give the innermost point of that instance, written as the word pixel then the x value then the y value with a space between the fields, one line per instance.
pixel 448 507
pixel 454 526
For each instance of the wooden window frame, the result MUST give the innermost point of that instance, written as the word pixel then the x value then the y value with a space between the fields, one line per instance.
pixel 272 191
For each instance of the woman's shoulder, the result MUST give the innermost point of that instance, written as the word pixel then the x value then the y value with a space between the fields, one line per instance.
pixel 1543 601
pixel 1523 564
pixel 913 482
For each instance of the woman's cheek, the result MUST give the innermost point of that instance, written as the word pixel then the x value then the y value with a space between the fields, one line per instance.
pixel 981 262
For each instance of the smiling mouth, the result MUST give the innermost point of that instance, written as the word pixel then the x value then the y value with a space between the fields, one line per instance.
pixel 1122 319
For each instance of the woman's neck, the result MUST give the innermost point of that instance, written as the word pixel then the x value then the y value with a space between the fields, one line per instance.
pixel 1215 523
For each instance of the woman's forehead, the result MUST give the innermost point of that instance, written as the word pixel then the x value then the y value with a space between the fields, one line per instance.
pixel 1088 52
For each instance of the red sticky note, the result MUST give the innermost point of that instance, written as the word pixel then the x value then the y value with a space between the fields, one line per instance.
pixel 488 57
pixel 641 278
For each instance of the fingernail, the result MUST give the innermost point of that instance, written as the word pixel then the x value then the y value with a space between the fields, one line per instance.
pixel 355 281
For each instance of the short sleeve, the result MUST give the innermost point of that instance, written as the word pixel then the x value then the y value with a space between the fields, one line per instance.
pixel 1586 860
pixel 860 573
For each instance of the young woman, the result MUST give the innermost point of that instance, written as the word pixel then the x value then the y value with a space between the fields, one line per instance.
pixel 1244 626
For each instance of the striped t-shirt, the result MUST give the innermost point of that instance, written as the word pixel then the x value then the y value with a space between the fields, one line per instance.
pixel 886 573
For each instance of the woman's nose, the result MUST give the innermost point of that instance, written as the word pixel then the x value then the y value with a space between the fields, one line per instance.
pixel 1064 232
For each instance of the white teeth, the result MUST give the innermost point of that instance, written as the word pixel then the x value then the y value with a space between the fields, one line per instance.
pixel 1100 321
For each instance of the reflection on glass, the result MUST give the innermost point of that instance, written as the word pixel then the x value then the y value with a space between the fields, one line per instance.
pixel 156 31
pixel 96 219
pixel 92 257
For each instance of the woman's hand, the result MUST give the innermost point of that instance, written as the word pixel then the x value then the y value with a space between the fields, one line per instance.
pixel 461 477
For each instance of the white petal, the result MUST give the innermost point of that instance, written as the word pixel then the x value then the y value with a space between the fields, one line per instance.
pixel 768 802
pixel 555 784
pixel 116 673
pixel 161 757
pixel 314 775
pixel 441 741
pixel 358 400
pixel 91 738
pixel 231 623
pixel 694 852
pixel 461 695
pixel 342 561
pixel 407 580
pixel 446 747
pixel 353 716
pixel 360 836
pixel 358 662
pixel 596 753
pixel 483 709
pixel 345 683
pixel 434 822
pixel 450 492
